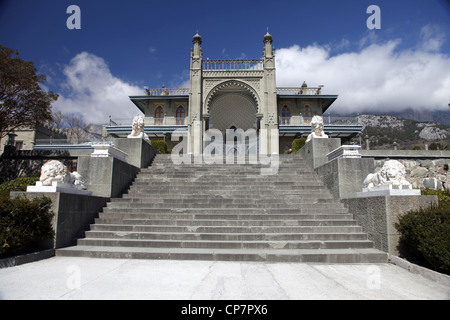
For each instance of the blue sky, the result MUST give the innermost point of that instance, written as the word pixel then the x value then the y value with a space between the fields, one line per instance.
pixel 125 45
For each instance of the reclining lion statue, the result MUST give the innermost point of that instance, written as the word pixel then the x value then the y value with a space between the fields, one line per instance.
pixel 392 173
pixel 54 170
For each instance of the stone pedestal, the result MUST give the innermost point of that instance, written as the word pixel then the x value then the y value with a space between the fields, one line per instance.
pixel 58 187
pixel 316 150
pixel 344 177
pixel 106 176
pixel 388 190
pixel 139 152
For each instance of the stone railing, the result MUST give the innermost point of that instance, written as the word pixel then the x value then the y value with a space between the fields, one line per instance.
pixel 168 92
pixel 59 142
pixel 299 91
pixel 327 120
pixel 226 64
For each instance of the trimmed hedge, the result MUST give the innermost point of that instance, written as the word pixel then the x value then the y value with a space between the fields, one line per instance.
pixel 160 145
pixel 19 184
pixel 426 235
pixel 297 144
pixel 23 224
pixel 443 196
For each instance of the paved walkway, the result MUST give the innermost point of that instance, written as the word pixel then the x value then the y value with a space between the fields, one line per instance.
pixel 89 278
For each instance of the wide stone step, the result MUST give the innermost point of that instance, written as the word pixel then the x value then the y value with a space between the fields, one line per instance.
pixel 226 229
pixel 222 216
pixel 268 255
pixel 225 244
pixel 313 210
pixel 227 222
pixel 221 188
pixel 221 236
pixel 211 198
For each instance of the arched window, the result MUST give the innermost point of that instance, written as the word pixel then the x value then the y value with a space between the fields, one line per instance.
pixel 285 115
pixel 307 114
pixel 180 115
pixel 159 116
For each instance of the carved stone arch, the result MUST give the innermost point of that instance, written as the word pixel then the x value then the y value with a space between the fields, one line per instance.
pixel 232 86
pixel 233 109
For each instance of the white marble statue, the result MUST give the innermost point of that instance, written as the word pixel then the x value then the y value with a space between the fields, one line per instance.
pixel 55 171
pixel 392 173
pixel 138 129
pixel 317 129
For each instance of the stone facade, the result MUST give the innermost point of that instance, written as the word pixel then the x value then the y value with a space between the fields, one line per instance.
pixel 228 94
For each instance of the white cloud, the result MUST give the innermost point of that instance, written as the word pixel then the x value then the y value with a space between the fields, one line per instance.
pixel 94 92
pixel 432 38
pixel 379 77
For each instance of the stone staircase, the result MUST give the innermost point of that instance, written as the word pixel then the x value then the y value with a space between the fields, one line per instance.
pixel 227 212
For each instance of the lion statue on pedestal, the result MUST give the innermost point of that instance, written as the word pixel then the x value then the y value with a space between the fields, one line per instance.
pixel 138 129
pixel 392 173
pixel 317 129
pixel 54 170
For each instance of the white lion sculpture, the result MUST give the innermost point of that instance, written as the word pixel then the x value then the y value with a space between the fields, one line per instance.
pixel 54 170
pixel 138 129
pixel 392 173
pixel 317 129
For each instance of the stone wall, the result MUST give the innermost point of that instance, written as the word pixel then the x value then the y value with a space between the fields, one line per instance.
pixel 73 214
pixel 378 216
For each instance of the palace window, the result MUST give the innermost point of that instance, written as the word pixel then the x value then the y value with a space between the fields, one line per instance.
pixel 159 116
pixel 307 114
pixel 180 115
pixel 285 115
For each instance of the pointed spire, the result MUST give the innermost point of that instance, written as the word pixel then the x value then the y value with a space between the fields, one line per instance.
pixel 268 37
pixel 197 39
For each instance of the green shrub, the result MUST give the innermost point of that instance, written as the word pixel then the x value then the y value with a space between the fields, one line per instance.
pixel 426 235
pixel 18 184
pixel 23 224
pixel 160 145
pixel 443 196
pixel 297 144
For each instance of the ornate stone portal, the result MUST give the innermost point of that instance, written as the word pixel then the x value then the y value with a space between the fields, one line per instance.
pixel 233 110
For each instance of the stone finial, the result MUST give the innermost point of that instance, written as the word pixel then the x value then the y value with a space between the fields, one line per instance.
pixel 197 39
pixel 268 37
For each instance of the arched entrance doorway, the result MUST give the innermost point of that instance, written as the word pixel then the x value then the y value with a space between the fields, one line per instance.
pixel 235 115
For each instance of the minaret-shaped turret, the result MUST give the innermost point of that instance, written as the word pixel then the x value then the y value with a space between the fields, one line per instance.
pixel 268 50
pixel 195 97
pixel 270 95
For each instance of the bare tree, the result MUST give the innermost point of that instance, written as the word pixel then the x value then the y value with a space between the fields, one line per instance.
pixel 77 128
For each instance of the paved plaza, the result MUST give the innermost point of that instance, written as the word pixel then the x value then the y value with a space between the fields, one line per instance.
pixel 80 278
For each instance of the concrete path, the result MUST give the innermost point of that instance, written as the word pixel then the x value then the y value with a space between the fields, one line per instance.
pixel 89 278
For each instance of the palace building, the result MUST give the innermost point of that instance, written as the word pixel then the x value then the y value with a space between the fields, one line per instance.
pixel 235 94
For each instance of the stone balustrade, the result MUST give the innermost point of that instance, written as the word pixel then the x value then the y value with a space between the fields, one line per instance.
pixel 237 64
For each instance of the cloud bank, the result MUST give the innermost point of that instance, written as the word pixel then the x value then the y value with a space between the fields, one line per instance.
pixel 378 77
pixel 94 92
